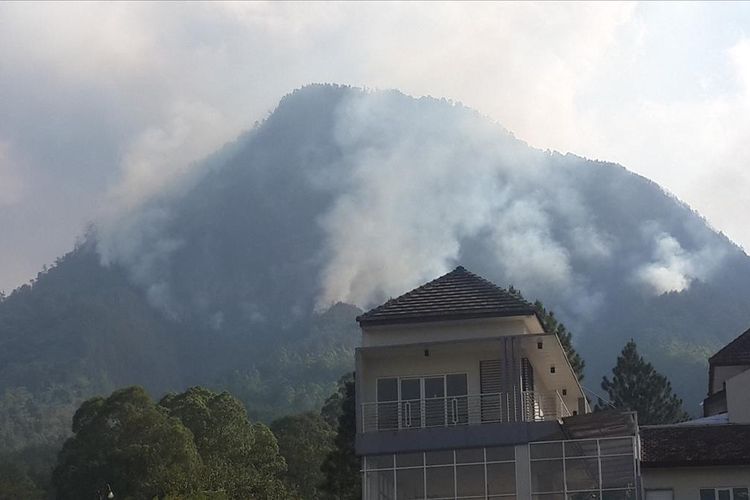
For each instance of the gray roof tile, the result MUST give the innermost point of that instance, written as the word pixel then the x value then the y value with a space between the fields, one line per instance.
pixel 456 295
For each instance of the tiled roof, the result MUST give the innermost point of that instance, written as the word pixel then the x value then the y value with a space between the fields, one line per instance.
pixel 456 295
pixel 737 352
pixel 682 445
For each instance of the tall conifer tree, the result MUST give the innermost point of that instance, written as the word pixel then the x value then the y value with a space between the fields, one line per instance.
pixel 637 386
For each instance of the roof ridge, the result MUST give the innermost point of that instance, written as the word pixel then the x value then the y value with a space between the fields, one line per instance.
pixel 458 294
pixel 734 344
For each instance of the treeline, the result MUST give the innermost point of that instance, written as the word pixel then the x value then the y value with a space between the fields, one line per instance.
pixel 197 445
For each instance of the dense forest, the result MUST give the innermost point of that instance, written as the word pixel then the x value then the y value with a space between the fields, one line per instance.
pixel 246 275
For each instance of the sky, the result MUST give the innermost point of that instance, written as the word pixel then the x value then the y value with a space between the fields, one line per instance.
pixel 102 105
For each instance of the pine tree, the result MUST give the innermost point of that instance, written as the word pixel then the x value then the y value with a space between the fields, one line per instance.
pixel 551 325
pixel 637 386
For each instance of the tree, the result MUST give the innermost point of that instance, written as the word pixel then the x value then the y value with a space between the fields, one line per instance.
pixel 551 325
pixel 128 443
pixel 305 441
pixel 15 483
pixel 341 466
pixel 194 445
pixel 239 458
pixel 637 386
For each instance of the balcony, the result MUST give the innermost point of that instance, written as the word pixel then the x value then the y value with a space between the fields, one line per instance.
pixel 472 409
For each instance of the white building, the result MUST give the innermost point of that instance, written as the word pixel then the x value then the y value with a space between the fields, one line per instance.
pixel 462 394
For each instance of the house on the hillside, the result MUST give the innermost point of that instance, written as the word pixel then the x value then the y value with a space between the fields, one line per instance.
pixel 707 458
pixel 462 394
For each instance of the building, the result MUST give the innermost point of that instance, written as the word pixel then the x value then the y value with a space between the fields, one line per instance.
pixel 462 394
pixel 707 458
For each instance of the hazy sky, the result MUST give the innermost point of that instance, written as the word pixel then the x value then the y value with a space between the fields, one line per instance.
pixel 102 104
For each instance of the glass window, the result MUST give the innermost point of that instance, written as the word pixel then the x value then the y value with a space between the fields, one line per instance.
pixel 379 485
pixel 470 456
pixel 618 472
pixel 547 476
pixel 616 446
pixel 582 473
pixel 546 450
pixel 379 462
pixel 387 389
pixel 741 494
pixel 440 482
pixel 501 479
pixel 708 494
pixel 724 494
pixel 581 448
pixel 620 495
pixel 409 460
pixel 456 385
pixel 552 496
pixel 439 457
pixel 584 495
pixel 503 454
pixel 410 484
pixel 470 480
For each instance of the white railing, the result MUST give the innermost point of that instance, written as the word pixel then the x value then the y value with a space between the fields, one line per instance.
pixel 472 409
pixel 543 405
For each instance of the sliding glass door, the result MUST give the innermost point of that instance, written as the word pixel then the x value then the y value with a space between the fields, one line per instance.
pixel 414 402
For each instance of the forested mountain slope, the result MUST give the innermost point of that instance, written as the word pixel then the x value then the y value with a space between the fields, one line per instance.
pixel 348 197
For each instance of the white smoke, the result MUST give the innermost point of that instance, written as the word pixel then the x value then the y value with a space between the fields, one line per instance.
pixel 673 268
pixel 422 183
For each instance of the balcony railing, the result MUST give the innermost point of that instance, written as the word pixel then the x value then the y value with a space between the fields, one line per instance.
pixel 472 409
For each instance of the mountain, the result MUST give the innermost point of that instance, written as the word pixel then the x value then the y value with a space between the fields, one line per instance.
pixel 247 273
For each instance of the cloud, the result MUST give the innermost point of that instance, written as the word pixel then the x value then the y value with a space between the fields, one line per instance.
pixel 11 182
pixel 102 101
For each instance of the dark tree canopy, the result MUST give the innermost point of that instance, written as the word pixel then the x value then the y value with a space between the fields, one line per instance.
pixel 341 467
pixel 239 458
pixel 128 442
pixel 197 444
pixel 637 386
pixel 551 325
pixel 305 441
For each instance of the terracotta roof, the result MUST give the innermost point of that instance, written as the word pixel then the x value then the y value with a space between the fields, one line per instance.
pixel 456 295
pixel 695 445
pixel 737 352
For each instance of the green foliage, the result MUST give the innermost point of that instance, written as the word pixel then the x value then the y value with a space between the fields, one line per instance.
pixel 198 444
pixel 127 442
pixel 551 325
pixel 305 441
pixel 239 458
pixel 637 386
pixel 341 466
pixel 15 484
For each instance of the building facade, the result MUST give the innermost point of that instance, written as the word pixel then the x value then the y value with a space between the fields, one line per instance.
pixel 462 394
pixel 707 458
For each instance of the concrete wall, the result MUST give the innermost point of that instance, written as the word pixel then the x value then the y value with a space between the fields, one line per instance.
pixel 723 373
pixel 686 482
pixel 448 330
pixel 738 398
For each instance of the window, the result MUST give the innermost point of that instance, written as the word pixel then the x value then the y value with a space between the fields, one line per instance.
pixel 475 473
pixel 415 402
pixel 724 494
pixel 602 469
